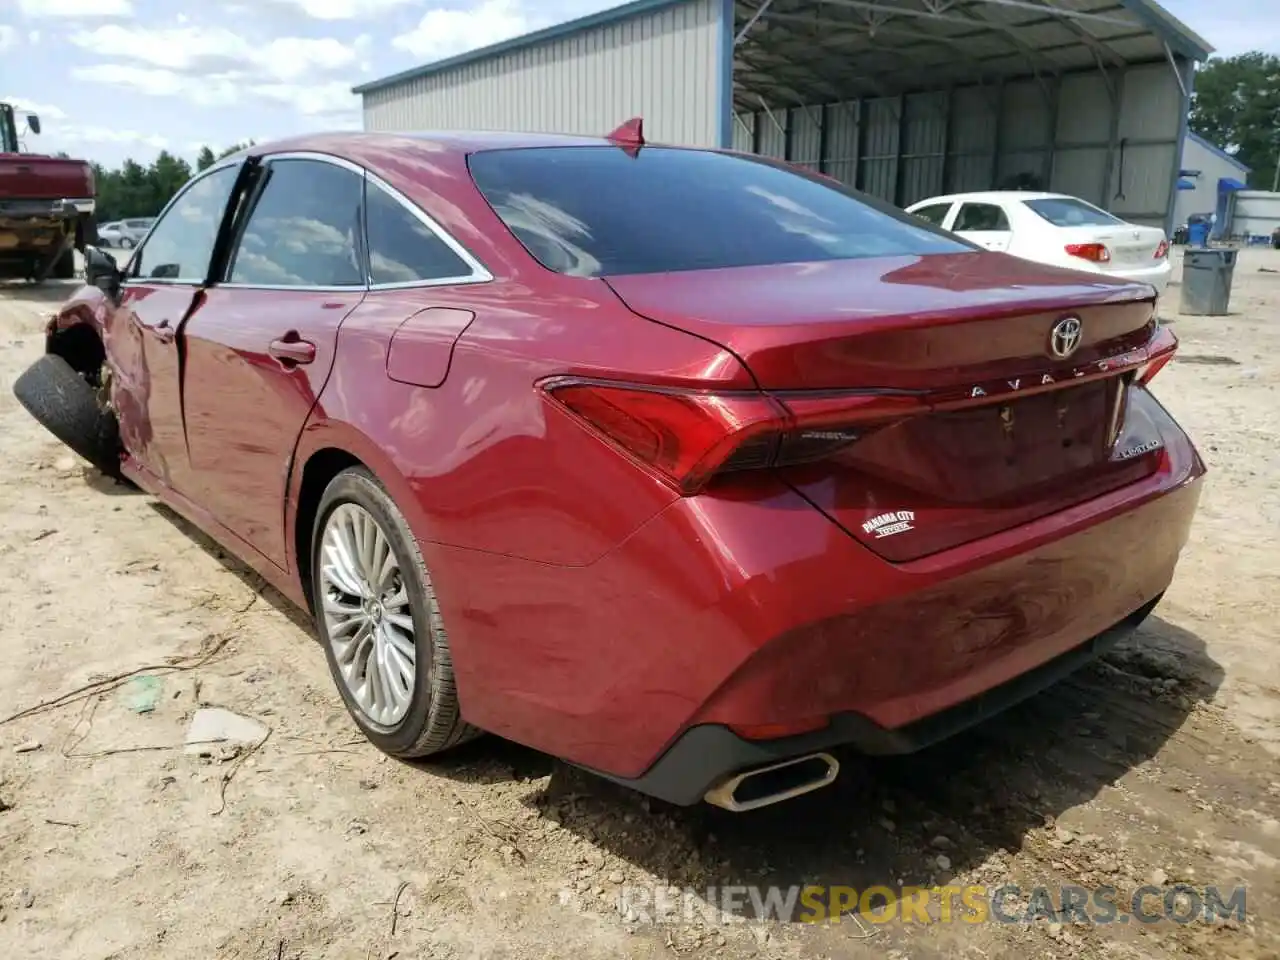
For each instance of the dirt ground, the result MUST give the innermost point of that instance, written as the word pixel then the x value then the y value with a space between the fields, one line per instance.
pixel 1159 765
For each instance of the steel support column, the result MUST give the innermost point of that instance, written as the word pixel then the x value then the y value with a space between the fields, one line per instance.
pixel 860 167
pixel 1113 142
pixel 948 114
pixel 997 140
pixel 1051 151
pixel 899 167
pixel 824 120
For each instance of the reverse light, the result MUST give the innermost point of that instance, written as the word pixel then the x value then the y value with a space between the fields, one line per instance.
pixel 688 436
pixel 1162 251
pixel 1096 252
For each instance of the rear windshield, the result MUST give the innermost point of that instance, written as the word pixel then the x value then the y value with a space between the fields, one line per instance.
pixel 598 211
pixel 1068 212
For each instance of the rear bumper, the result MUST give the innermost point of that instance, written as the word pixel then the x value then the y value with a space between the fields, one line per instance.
pixel 709 753
pixel 750 607
pixel 46 209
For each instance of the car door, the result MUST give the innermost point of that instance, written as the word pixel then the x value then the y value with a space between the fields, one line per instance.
pixel 985 224
pixel 261 344
pixel 164 280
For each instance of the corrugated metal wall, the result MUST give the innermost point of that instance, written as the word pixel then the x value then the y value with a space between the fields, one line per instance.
pixel 662 65
pixel 1064 135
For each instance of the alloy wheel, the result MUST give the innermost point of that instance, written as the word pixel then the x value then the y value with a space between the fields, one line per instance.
pixel 367 615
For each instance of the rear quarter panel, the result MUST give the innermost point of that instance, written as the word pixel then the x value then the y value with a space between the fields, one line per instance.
pixel 483 461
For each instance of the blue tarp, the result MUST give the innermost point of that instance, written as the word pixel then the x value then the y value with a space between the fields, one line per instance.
pixel 1226 187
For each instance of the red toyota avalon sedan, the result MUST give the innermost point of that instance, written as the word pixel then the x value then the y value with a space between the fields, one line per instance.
pixel 684 466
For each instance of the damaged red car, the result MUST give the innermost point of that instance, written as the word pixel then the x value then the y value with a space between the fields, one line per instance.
pixel 684 466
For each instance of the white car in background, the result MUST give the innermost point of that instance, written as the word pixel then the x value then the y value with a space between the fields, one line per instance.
pixel 1053 228
pixel 124 234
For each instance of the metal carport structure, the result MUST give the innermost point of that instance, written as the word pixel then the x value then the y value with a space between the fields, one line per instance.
pixel 913 98
pixel 902 98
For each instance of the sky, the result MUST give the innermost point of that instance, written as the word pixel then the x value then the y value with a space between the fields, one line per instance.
pixel 117 78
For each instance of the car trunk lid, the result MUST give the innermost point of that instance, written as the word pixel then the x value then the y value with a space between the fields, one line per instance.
pixel 935 382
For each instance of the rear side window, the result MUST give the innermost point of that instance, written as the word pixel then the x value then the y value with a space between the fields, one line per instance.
pixel 981 218
pixel 1069 212
pixel 403 249
pixel 934 213
pixel 598 211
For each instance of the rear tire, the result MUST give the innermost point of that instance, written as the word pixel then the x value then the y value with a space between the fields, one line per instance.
pixel 67 406
pixel 430 721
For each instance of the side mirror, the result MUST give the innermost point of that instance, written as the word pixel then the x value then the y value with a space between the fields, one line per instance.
pixel 102 271
pixel 33 123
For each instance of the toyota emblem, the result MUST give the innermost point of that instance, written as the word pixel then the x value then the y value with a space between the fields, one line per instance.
pixel 1065 337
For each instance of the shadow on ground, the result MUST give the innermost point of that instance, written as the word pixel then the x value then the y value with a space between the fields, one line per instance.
pixel 982 791
pixel 51 291
pixel 252 581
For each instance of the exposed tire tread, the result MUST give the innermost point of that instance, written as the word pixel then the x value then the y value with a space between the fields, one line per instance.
pixel 65 404
pixel 442 727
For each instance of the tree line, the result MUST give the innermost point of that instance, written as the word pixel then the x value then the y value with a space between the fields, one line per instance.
pixel 1236 106
pixel 133 190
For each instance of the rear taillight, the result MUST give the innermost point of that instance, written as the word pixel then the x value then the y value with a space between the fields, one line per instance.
pixel 1159 352
pixel 687 437
pixel 1162 251
pixel 1096 252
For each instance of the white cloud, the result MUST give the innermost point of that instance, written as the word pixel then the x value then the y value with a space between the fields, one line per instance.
pixel 98 134
pixel 33 37
pixel 332 98
pixel 217 67
pixel 344 9
pixel 45 111
pixel 7 36
pixel 215 51
pixel 76 8
pixel 442 33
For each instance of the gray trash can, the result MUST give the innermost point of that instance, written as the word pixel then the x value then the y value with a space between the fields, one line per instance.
pixel 1206 282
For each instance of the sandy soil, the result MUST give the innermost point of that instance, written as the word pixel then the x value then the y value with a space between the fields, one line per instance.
pixel 1158 766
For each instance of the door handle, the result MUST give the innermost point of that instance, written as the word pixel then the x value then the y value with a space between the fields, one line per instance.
pixel 292 349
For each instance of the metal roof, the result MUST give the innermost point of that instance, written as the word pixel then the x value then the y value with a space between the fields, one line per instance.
pixel 817 51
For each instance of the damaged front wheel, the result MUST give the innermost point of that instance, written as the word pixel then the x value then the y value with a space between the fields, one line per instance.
pixel 67 405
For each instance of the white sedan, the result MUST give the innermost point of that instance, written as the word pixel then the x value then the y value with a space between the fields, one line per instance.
pixel 1055 229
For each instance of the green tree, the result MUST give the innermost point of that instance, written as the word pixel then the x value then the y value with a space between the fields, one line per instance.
pixel 235 149
pixel 1237 106
pixel 133 190
pixel 205 159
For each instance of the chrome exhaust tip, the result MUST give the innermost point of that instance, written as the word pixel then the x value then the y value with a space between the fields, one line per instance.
pixel 774 783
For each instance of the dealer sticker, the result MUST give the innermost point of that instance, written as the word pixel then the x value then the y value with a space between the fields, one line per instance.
pixel 887 524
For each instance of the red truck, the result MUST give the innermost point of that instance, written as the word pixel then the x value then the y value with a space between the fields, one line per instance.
pixel 46 207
